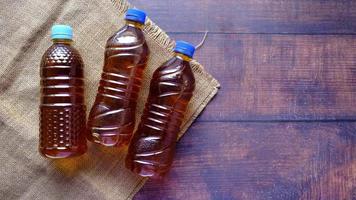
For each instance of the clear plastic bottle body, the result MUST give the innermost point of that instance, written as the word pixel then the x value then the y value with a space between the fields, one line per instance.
pixel 62 109
pixel 152 148
pixel 112 118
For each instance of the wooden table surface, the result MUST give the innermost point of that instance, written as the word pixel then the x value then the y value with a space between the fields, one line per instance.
pixel 283 125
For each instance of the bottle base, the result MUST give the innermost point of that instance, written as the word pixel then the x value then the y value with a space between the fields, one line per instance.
pixel 147 171
pixel 111 138
pixel 57 153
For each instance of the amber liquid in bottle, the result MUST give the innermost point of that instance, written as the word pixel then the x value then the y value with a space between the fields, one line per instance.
pixel 152 148
pixel 62 109
pixel 112 118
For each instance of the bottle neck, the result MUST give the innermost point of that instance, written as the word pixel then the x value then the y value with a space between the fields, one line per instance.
pixel 62 41
pixel 183 57
pixel 134 24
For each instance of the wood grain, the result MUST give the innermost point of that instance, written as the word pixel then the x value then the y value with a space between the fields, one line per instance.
pixel 280 77
pixel 252 16
pixel 283 124
pixel 259 161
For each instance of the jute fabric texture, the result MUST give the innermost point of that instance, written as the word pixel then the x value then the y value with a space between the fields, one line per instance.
pixel 24 37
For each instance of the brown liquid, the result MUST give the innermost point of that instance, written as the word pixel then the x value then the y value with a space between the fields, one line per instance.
pixel 112 117
pixel 62 109
pixel 152 148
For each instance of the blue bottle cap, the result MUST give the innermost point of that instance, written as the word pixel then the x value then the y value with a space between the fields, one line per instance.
pixel 62 32
pixel 136 15
pixel 185 48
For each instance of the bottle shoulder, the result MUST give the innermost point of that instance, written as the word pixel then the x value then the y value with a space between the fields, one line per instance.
pixel 175 65
pixel 126 36
pixel 62 54
pixel 176 70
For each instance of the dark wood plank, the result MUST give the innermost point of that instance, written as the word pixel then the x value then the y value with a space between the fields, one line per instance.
pixel 280 77
pixel 252 16
pixel 279 161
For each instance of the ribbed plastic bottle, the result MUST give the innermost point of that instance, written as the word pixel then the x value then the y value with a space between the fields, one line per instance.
pixel 62 109
pixel 152 148
pixel 112 117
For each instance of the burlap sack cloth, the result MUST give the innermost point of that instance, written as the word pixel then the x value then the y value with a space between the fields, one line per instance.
pixel 24 37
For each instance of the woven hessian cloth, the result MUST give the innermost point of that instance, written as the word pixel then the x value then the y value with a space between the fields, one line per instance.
pixel 24 37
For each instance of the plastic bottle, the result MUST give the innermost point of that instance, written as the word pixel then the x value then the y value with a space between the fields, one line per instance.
pixel 62 109
pixel 152 148
pixel 112 117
